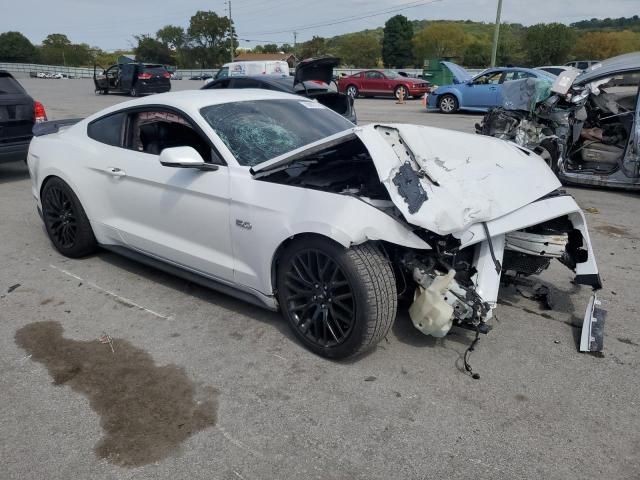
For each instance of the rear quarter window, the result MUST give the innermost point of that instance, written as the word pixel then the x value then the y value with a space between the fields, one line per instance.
pixel 9 85
pixel 108 129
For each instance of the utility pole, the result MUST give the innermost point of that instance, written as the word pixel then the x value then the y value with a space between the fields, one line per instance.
pixel 295 42
pixel 231 25
pixel 496 35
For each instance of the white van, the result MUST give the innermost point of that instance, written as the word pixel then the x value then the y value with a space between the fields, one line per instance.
pixel 249 68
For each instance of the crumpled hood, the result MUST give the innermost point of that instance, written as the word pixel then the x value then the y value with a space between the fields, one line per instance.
pixel 445 181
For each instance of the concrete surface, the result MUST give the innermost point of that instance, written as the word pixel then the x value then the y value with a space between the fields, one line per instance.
pixel 404 411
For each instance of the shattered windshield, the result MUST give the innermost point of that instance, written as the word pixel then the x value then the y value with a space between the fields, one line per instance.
pixel 259 130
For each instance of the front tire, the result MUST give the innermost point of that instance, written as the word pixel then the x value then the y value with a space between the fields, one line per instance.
pixel 401 89
pixel 338 302
pixel 65 220
pixel 448 103
pixel 133 92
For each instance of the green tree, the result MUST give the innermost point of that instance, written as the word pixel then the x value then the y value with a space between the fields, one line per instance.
pixel 510 45
pixel 478 53
pixel 56 40
pixel 15 47
pixel 209 36
pixel 175 38
pixel 601 45
pixel 172 36
pixel 57 49
pixel 286 48
pixel 360 50
pixel 270 48
pixel 315 47
pixel 396 42
pixel 152 51
pixel 439 40
pixel 548 44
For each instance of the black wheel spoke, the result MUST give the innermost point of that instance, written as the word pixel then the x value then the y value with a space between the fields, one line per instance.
pixel 319 298
pixel 59 216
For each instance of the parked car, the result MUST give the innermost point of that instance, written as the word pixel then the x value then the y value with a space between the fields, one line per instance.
pixel 582 64
pixel 278 200
pixel 374 83
pixel 252 68
pixel 555 69
pixel 18 114
pixel 132 78
pixel 202 76
pixel 586 128
pixel 477 93
pixel 311 79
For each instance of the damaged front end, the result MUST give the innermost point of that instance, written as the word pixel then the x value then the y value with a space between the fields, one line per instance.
pixel 483 208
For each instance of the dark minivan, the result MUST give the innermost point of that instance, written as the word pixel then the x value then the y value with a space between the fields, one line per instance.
pixel 132 78
pixel 18 113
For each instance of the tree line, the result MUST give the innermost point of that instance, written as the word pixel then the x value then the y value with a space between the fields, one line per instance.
pixel 404 44
pixel 401 43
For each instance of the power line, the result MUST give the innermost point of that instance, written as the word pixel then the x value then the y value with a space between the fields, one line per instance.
pixel 336 21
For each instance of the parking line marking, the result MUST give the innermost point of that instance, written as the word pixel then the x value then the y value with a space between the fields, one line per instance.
pixel 120 298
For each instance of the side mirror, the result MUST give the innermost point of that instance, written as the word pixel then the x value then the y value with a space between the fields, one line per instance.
pixel 184 157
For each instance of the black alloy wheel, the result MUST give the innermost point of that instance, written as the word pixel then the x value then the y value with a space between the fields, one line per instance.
pixel 319 299
pixel 338 301
pixel 65 220
pixel 60 217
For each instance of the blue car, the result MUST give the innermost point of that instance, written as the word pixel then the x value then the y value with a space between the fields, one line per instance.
pixel 479 93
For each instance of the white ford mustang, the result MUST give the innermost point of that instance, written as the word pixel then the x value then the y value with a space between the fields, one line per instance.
pixel 278 200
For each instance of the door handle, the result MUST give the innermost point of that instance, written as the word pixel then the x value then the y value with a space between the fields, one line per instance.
pixel 115 171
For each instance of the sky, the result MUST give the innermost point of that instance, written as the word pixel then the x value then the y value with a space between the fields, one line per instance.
pixel 111 24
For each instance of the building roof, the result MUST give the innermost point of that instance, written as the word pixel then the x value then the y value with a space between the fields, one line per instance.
pixel 248 57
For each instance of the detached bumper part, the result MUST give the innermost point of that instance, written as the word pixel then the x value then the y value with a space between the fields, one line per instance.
pixel 592 337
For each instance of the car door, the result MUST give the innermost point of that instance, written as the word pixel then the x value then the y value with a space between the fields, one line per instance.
pixel 371 82
pixel 112 75
pixel 179 215
pixel 510 76
pixel 482 91
pixel 127 73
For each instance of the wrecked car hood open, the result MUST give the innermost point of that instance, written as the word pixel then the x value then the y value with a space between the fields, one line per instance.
pixel 456 179
pixel 441 180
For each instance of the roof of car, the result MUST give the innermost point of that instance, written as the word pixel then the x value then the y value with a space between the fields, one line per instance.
pixel 621 63
pixel 194 100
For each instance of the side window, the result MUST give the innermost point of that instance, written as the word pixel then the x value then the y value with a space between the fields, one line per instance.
pixel 492 78
pixel 374 76
pixel 107 129
pixel 154 130
pixel 508 76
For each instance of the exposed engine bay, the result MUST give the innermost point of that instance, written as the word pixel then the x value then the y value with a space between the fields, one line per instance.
pixel 443 283
pixel 586 129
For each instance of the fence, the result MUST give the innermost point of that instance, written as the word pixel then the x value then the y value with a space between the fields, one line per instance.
pixel 87 72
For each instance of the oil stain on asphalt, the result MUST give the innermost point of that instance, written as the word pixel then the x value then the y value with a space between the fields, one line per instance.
pixel 146 411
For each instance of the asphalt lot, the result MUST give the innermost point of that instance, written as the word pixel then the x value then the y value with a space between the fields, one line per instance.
pixel 267 408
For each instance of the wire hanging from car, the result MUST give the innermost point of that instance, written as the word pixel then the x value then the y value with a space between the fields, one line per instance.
pixel 493 254
pixel 467 353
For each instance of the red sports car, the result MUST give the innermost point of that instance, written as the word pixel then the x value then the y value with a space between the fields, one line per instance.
pixel 373 83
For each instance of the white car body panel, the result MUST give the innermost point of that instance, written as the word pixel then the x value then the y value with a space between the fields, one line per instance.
pixel 228 224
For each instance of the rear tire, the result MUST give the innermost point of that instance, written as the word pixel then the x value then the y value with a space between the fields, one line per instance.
pixel 338 302
pixel 352 91
pixel 65 220
pixel 448 103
